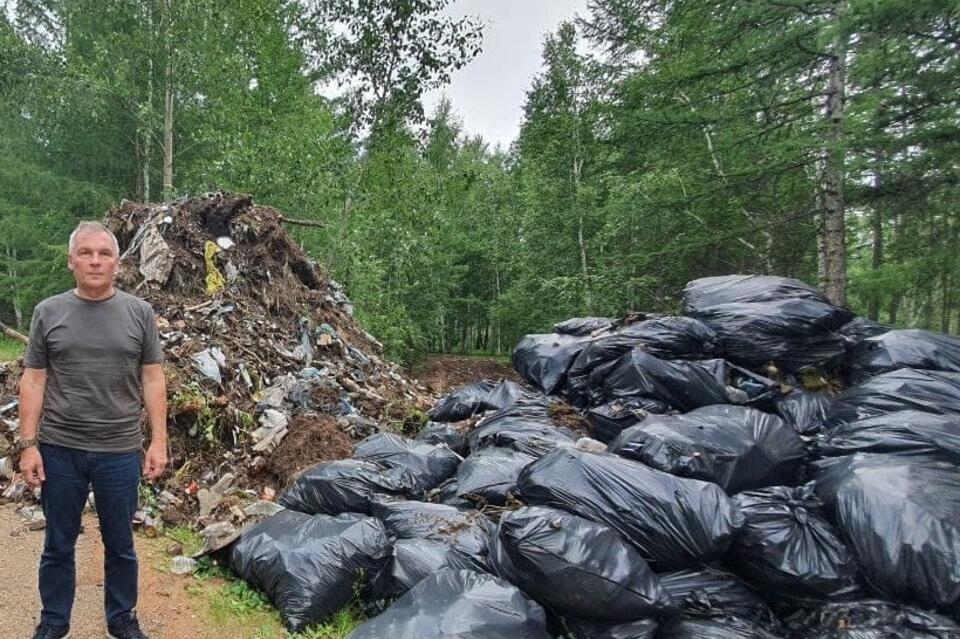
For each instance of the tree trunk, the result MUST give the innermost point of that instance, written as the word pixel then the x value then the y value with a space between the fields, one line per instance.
pixel 831 242
pixel 145 150
pixel 945 306
pixel 876 224
pixel 14 288
pixel 581 243
pixel 876 227
pixel 499 326
pixel 168 98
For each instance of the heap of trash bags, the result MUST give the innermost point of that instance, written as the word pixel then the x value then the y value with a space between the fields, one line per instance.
pixel 766 465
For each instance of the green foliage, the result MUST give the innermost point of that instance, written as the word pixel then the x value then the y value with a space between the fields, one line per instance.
pixel 194 405
pixel 233 603
pixel 691 141
pixel 388 53
pixel 10 349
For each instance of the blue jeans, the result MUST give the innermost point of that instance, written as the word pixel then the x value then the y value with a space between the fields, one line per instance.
pixel 115 478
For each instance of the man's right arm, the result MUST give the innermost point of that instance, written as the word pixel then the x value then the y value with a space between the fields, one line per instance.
pixel 32 385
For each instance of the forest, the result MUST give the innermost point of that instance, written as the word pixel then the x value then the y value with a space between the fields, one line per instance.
pixel 662 141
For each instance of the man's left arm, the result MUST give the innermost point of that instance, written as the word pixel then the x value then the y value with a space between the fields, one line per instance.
pixel 155 401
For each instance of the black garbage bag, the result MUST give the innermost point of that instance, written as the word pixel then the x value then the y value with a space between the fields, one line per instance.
pixel 431 464
pixel 735 447
pixel 412 561
pixel 789 551
pixel 935 392
pixel 458 604
pixel 453 436
pixel 807 412
pixel 582 325
pixel 543 360
pixel 673 522
pixel 575 567
pixel 736 322
pixel 871 619
pixel 640 629
pixel 900 516
pixel 478 397
pixel 710 592
pixel 764 318
pixel 908 348
pixel 860 328
pixel 490 475
pixel 309 565
pixel 461 403
pixel 741 289
pixel 346 486
pixel 663 337
pixel 906 431
pixel 526 427
pixel 506 393
pixel 793 333
pixel 467 532
pixel 608 420
pixel 712 628
pixel 685 385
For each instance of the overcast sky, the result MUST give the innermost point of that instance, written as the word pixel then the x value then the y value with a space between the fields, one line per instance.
pixel 488 93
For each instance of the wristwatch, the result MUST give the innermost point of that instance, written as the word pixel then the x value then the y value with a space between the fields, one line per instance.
pixel 24 444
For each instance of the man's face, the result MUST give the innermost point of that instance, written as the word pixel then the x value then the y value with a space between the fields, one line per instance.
pixel 93 260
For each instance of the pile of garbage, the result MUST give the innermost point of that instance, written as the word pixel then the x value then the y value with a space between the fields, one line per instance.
pixel 765 466
pixel 267 370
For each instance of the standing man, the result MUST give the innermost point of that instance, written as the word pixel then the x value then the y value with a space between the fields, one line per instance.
pixel 91 350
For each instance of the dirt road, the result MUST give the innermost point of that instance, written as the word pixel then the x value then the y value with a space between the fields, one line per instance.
pixel 165 609
pixel 443 373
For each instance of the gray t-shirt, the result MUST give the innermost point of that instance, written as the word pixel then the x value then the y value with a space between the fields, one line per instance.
pixel 93 352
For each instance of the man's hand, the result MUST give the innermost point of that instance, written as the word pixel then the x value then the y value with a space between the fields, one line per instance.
pixel 31 465
pixel 155 461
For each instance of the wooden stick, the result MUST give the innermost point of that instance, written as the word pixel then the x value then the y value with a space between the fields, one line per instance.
pixel 290 220
pixel 9 332
pixel 197 307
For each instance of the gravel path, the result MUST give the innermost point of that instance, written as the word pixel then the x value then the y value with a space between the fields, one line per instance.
pixel 165 608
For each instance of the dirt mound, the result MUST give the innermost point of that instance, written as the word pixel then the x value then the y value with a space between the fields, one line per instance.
pixel 313 438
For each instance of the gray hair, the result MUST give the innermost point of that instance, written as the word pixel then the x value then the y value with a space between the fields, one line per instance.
pixel 91 227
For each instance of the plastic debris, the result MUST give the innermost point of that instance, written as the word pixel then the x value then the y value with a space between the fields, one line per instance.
pixel 215 280
pixel 872 619
pixel 156 259
pixel 183 565
pixel 209 362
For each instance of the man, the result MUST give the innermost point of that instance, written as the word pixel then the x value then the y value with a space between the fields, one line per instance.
pixel 91 349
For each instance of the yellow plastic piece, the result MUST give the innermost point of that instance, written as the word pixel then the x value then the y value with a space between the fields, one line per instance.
pixel 215 279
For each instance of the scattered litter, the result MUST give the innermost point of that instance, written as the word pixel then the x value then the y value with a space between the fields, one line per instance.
pixel 210 362
pixel 183 565
pixel 33 516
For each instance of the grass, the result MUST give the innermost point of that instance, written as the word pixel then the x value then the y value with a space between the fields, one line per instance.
pixel 238 610
pixel 10 349
pixel 187 537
